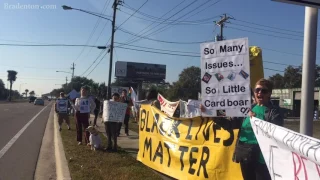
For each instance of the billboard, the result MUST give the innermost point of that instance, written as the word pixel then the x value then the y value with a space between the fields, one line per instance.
pixel 141 71
pixel 311 3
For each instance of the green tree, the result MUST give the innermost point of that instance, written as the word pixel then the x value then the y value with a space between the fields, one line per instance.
pixel 12 76
pixel 278 81
pixel 27 90
pixel 292 77
pixel 188 86
pixel 32 93
pixel 76 83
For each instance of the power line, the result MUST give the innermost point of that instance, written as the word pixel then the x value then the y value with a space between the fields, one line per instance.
pixel 133 40
pixel 265 34
pixel 273 69
pixel 157 40
pixel 96 65
pixel 93 30
pixel 92 63
pixel 132 14
pixel 50 45
pixel 32 67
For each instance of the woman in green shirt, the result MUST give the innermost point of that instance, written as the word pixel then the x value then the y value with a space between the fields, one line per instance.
pixel 248 153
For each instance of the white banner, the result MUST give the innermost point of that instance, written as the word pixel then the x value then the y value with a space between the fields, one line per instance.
pixel 114 111
pixel 62 105
pixel 225 73
pixel 288 154
pixel 167 107
pixel 190 109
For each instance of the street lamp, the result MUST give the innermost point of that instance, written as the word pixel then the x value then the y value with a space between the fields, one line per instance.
pixel 112 37
pixel 64 72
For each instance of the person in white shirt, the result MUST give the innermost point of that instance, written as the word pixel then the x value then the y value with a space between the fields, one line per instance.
pixel 83 106
pixel 61 108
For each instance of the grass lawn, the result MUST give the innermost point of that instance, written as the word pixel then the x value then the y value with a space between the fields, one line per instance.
pixel 85 164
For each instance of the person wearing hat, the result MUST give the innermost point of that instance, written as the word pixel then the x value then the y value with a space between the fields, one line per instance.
pixel 83 106
pixel 61 108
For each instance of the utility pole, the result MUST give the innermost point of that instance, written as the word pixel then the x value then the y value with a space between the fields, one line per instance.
pixel 66 80
pixel 72 68
pixel 224 19
pixel 115 4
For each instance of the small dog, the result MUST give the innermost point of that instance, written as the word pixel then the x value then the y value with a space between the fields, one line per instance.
pixel 95 140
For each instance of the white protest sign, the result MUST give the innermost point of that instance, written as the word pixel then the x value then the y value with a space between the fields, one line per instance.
pixel 190 109
pixel 167 107
pixel 62 105
pixel 225 73
pixel 114 111
pixel 84 106
pixel 288 154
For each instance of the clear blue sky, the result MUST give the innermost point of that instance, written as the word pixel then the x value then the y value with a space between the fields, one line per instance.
pixel 36 66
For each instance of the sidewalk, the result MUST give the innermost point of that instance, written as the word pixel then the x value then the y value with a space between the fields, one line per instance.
pixel 128 143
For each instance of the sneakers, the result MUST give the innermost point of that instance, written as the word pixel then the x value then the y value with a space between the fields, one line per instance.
pixel 79 143
pixel 69 128
pixel 60 128
pixel 127 134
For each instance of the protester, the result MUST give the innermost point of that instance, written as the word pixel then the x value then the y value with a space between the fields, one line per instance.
pixel 247 151
pixel 61 107
pixel 83 106
pixel 152 97
pixel 96 111
pixel 112 128
pixel 125 99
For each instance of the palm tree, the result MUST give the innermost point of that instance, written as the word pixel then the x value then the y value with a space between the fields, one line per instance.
pixel 27 90
pixel 12 76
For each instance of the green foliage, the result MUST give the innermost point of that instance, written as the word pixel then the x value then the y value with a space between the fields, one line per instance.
pixel 12 76
pixel 188 86
pixel 32 93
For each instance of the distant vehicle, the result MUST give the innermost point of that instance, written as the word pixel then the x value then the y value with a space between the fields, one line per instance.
pixel 49 99
pixel 31 99
pixel 39 101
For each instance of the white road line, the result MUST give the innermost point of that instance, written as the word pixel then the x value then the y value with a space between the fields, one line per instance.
pixel 15 138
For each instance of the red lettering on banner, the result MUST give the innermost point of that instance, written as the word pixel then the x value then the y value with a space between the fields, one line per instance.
pixel 301 161
pixel 296 172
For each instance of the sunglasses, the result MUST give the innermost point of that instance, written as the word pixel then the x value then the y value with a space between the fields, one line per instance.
pixel 262 90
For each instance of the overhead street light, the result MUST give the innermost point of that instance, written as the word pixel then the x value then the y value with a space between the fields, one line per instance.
pixel 64 72
pixel 64 7
pixel 110 50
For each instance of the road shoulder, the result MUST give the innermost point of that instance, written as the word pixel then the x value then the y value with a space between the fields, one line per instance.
pixel 46 165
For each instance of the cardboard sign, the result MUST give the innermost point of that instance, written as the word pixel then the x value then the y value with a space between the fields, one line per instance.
pixel 62 105
pixel 167 107
pixel 190 109
pixel 288 154
pixel 225 74
pixel 118 90
pixel 114 111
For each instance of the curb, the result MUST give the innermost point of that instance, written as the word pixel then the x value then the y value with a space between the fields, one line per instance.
pixel 62 168
pixel 46 167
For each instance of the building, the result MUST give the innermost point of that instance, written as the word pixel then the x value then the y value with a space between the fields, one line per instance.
pixel 290 100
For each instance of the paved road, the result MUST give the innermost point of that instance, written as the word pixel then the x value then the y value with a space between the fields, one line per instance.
pixel 19 160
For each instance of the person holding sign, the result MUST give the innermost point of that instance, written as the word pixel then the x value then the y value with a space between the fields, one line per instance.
pixel 248 153
pixel 111 128
pixel 61 108
pixel 125 99
pixel 83 106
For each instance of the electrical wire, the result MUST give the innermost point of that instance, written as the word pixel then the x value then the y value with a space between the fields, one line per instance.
pixel 92 63
pixel 93 30
pixel 50 45
pixel 132 14
pixel 96 65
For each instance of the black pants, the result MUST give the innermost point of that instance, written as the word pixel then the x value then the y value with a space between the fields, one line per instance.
pixel 254 170
pixel 126 124
pixel 111 130
pixel 82 120
pixel 96 113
